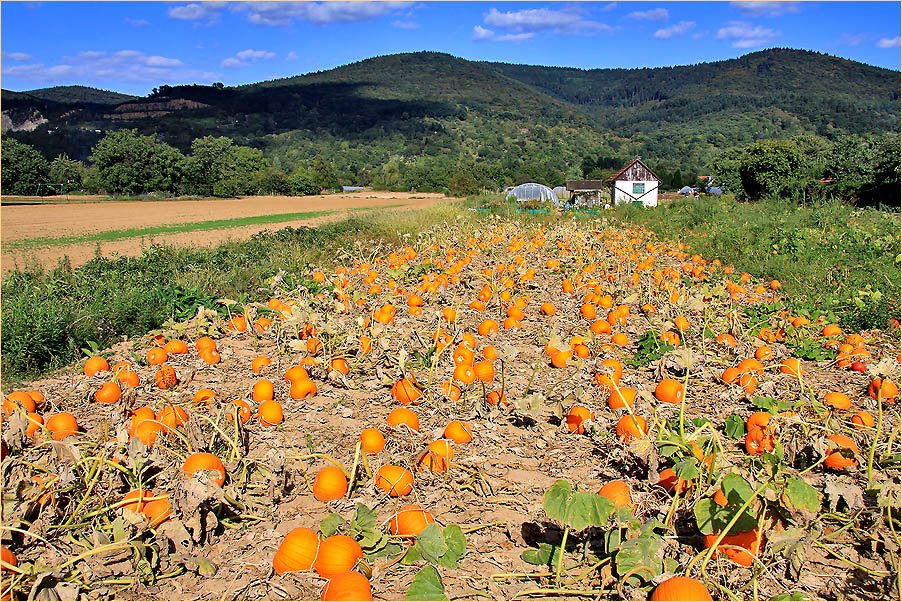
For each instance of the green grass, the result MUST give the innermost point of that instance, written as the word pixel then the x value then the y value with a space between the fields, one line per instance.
pixel 49 316
pixel 829 257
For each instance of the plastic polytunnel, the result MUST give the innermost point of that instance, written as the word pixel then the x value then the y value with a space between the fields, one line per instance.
pixel 560 192
pixel 533 192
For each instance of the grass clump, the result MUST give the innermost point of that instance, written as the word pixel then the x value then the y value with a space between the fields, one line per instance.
pixel 830 257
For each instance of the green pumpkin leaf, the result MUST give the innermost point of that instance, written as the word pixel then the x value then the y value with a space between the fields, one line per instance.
pixel 801 495
pixel 557 501
pixel 734 428
pixel 545 555
pixel 331 525
pixel 427 585
pixel 456 544
pixel 431 543
pixel 642 554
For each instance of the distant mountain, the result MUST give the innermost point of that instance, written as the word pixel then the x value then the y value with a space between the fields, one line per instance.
pixel 432 106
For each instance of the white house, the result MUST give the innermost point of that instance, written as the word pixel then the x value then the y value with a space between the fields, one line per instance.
pixel 635 184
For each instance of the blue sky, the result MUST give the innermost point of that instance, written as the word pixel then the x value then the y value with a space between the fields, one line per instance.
pixel 132 47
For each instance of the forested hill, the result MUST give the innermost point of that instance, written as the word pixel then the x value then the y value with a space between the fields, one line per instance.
pixel 433 106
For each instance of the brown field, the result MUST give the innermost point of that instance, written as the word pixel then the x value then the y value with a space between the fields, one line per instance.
pixel 20 222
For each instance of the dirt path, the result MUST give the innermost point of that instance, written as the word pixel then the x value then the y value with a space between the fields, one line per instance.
pixel 21 222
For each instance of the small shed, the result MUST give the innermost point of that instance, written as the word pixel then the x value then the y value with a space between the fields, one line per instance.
pixel 586 193
pixel 635 184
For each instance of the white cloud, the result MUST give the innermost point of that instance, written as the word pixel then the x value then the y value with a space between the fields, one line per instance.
pixel 655 14
pixel 20 57
pixel 889 42
pixel 291 56
pixel 275 14
pixel 246 57
pixel 233 63
pixel 405 24
pixel 255 55
pixel 609 7
pixel 200 11
pixel 674 30
pixel 742 34
pixel 535 20
pixel 850 39
pixel 94 67
pixel 136 22
pixel 766 9
pixel 481 33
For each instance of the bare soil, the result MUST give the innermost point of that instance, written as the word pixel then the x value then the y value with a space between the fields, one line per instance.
pixel 20 222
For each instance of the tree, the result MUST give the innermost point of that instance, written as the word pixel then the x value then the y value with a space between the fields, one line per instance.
pixel 303 183
pixel 206 164
pixel 322 171
pixel 724 169
pixel 767 167
pixel 22 168
pixel 133 164
pixel 64 170
pixel 677 180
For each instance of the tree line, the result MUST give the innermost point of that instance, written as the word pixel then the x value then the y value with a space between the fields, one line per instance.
pixel 861 169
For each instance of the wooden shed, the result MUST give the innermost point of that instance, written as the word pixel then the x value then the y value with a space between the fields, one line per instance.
pixel 635 184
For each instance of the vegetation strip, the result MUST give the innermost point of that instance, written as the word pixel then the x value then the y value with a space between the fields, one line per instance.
pixel 219 224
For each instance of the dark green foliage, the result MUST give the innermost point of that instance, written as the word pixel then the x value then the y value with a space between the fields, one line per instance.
pixel 765 168
pixel 64 170
pixel 22 169
pixel 130 163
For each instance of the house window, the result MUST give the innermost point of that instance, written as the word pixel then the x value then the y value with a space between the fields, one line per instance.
pixel 638 187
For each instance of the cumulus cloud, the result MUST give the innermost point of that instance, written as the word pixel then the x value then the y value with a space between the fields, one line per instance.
pixel 136 22
pixel 198 11
pixel 106 69
pixel 609 7
pixel 766 9
pixel 483 34
pixel 246 57
pixel 674 30
pixel 655 14
pixel 742 34
pixel 17 56
pixel 534 20
pixel 291 56
pixel 405 24
pixel 889 42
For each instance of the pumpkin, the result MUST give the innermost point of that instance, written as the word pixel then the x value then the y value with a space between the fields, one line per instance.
pixel 96 364
pixel 630 426
pixel 297 552
pixel 171 417
pixel 61 425
pixel 337 554
pixel 263 390
pixel 618 492
pixel 7 556
pixel 437 458
pixel 749 540
pixel 270 413
pixel 135 500
pixel 394 480
pixel 348 586
pixel 146 431
pixel 669 391
pixel 372 441
pixel 108 393
pixel 302 389
pixel 458 431
pixel 157 356
pixel 836 460
pixel 577 417
pixel 330 484
pixel 679 589
pixel 158 511
pixel 166 377
pixel 204 461
pixel 400 416
pixel 176 347
pixel 410 520
pixel 406 391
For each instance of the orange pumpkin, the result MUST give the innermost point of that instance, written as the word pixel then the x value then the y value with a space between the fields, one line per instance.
pixel 297 552
pixel 394 480
pixel 337 554
pixel 678 589
pixel 330 484
pixel 207 462
pixel 406 391
pixel 372 441
pixel 410 520
pixel 348 586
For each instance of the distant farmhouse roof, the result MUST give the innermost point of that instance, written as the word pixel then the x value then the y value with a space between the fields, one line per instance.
pixel 585 185
pixel 634 171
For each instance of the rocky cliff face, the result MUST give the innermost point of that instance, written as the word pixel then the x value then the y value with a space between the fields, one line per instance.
pixel 12 122
pixel 138 110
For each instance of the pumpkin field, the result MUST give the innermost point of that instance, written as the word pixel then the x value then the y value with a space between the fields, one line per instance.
pixel 496 408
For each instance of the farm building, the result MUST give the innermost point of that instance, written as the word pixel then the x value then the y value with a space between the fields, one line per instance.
pixel 636 184
pixel 587 193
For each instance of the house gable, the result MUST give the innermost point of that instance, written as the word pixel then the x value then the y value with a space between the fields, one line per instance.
pixel 635 171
